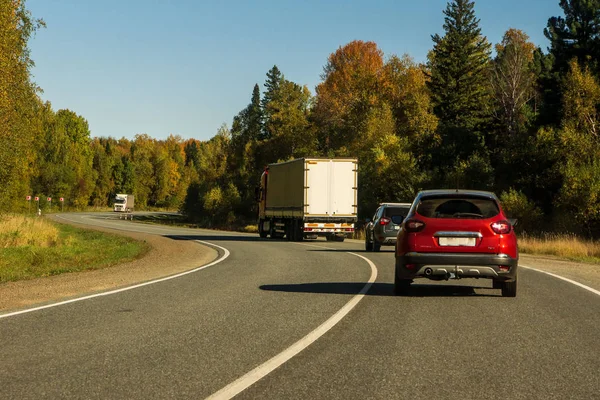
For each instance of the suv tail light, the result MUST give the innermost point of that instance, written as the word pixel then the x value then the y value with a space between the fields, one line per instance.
pixel 501 227
pixel 384 221
pixel 414 225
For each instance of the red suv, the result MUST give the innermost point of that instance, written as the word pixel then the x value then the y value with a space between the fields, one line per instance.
pixel 453 234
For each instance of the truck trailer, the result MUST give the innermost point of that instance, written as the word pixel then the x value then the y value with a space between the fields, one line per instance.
pixel 124 204
pixel 308 197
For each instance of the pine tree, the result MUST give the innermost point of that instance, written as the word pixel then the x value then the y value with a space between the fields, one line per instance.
pixel 255 116
pixel 272 86
pixel 459 84
pixel 576 35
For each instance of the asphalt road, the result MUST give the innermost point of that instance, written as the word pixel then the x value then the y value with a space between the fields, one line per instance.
pixel 194 335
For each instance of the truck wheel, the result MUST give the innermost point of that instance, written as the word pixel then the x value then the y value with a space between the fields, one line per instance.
pixel 298 228
pixel 261 232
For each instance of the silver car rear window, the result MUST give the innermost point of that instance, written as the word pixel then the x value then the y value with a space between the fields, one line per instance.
pixel 396 214
pixel 458 207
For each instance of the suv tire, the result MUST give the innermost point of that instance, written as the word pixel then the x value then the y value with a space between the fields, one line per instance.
pixel 376 245
pixel 368 245
pixel 509 288
pixel 401 287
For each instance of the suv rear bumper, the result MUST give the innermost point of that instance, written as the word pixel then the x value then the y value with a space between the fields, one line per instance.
pixel 442 265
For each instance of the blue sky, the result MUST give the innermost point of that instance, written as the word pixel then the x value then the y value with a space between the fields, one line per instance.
pixel 185 67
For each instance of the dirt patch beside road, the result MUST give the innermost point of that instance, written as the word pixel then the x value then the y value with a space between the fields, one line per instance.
pixel 167 257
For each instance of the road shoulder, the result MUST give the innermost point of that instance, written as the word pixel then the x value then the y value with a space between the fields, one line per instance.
pixel 166 257
pixel 584 273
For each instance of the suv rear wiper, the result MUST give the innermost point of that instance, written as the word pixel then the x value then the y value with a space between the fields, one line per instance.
pixel 466 215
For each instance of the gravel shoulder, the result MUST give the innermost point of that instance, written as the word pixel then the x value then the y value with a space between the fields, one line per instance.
pixel 166 257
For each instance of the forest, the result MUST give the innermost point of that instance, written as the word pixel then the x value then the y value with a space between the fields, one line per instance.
pixel 509 117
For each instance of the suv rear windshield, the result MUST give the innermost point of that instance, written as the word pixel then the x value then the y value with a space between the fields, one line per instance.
pixel 458 207
pixel 396 214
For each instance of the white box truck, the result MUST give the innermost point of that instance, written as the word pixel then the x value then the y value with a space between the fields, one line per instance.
pixel 124 204
pixel 307 198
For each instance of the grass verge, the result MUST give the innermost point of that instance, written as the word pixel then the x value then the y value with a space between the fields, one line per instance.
pixel 565 246
pixel 33 247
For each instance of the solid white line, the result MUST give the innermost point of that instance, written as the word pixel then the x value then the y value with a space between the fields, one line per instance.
pixel 269 366
pixel 225 255
pixel 581 285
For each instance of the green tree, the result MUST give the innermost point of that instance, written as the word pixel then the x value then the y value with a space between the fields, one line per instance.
pixel 65 165
pixel 407 94
pixel 574 35
pixel 580 192
pixel 272 84
pixel 459 83
pixel 20 106
pixel 289 128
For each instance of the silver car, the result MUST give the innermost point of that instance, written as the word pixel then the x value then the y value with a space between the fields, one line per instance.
pixel 383 229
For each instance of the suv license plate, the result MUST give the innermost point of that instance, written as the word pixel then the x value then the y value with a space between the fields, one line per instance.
pixel 457 241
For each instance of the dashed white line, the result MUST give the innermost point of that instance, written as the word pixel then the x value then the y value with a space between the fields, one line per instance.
pixel 61 303
pixel 269 366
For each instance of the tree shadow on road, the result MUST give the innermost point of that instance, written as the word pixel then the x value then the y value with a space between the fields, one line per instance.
pixel 381 289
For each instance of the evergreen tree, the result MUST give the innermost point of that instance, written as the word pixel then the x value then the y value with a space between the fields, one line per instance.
pixel 255 117
pixel 576 35
pixel 459 84
pixel 272 85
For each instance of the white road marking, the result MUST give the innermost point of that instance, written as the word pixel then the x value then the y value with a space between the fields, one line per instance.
pixel 269 366
pixel 225 255
pixel 581 285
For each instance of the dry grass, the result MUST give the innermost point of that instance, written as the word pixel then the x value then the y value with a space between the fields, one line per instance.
pixel 564 245
pixel 19 231
pixel 251 229
pixel 32 247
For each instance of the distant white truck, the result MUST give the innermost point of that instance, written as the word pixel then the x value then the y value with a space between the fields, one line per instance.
pixel 308 197
pixel 124 204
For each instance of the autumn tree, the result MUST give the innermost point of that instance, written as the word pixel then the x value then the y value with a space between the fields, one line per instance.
pixel 458 66
pixel 352 83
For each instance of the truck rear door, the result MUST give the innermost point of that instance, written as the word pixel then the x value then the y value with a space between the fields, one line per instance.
pixel 331 188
